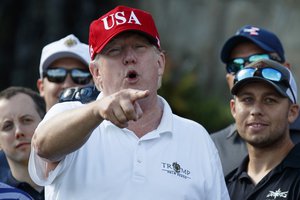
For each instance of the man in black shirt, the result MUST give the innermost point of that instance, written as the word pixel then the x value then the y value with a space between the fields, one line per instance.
pixel 249 44
pixel 264 106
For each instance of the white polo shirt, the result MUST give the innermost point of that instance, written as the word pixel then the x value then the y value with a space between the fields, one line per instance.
pixel 176 161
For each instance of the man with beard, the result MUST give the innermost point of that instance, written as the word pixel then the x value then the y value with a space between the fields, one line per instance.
pixel 264 106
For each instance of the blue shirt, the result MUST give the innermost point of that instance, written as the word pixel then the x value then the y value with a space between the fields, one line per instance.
pixel 10 193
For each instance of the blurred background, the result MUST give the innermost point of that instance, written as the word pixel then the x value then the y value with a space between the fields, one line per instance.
pixel 192 33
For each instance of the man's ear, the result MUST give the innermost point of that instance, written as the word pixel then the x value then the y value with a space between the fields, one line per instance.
pixel 293 113
pixel 232 108
pixel 161 63
pixel 40 86
pixel 94 70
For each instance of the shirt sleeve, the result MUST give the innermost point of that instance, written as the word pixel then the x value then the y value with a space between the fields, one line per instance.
pixel 37 165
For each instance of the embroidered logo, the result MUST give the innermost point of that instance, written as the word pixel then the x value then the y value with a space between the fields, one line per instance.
pixel 120 18
pixel 175 169
pixel 252 30
pixel 70 42
pixel 277 193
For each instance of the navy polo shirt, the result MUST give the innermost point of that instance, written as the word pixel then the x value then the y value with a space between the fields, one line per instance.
pixel 4 168
pixel 10 180
pixel 282 183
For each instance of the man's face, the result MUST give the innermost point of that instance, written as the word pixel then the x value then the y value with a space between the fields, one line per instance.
pixel 242 50
pixel 18 120
pixel 50 90
pixel 262 116
pixel 128 61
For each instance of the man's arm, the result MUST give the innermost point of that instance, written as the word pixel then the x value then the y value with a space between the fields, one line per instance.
pixel 68 131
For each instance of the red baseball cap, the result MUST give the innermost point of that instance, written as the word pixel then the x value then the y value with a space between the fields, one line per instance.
pixel 118 20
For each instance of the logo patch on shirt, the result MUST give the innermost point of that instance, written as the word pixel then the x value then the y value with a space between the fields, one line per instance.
pixel 278 193
pixel 176 170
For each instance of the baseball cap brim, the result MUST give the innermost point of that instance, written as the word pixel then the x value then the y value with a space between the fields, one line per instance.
pixel 123 30
pixel 235 40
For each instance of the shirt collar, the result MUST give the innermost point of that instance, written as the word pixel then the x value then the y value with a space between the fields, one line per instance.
pixel 232 131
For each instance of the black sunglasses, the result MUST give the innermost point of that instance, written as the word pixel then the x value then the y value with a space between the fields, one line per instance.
pixel 236 64
pixel 84 94
pixel 58 75
pixel 268 73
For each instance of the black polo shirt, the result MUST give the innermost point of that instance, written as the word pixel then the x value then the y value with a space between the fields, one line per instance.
pixel 282 183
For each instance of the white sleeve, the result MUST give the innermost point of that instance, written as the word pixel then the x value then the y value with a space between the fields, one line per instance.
pixel 217 187
pixel 37 165
pixel 37 168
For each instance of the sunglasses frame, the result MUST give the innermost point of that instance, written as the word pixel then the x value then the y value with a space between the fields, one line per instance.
pixel 76 79
pixel 233 68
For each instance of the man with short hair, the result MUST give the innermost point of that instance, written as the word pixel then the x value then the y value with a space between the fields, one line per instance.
pixel 22 109
pixel 249 44
pixel 64 64
pixel 127 144
pixel 264 106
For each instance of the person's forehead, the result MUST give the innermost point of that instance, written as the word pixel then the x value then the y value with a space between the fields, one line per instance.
pixel 246 48
pixel 22 104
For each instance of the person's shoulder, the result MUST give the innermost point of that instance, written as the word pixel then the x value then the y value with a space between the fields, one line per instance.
pixel 13 193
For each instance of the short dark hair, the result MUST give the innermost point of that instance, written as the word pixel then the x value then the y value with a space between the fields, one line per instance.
pixel 39 101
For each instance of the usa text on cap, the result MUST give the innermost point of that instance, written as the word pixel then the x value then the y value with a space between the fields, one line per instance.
pixel 118 20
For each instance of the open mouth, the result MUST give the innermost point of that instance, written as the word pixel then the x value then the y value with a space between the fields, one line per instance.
pixel 132 74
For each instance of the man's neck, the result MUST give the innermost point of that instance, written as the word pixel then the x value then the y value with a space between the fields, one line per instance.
pixel 263 160
pixel 20 173
pixel 152 114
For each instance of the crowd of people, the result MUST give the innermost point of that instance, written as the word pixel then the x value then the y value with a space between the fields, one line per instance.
pixel 124 141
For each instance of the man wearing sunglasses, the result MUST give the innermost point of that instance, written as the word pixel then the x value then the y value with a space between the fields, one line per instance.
pixel 64 64
pixel 264 106
pixel 249 44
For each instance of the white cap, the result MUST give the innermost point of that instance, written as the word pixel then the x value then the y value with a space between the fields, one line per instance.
pixel 68 46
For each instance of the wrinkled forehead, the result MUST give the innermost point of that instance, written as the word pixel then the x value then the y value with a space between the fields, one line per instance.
pixel 134 35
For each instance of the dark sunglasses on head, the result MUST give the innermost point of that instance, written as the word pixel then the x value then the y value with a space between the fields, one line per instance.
pixel 236 64
pixel 268 73
pixel 58 75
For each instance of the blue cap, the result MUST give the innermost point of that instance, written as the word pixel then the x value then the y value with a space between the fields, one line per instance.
pixel 263 38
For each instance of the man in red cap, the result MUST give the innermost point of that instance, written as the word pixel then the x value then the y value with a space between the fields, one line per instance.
pixel 127 144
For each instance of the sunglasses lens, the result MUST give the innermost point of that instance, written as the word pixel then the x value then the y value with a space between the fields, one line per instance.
pixel 257 57
pixel 80 76
pixel 235 65
pixel 245 73
pixel 271 74
pixel 56 75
